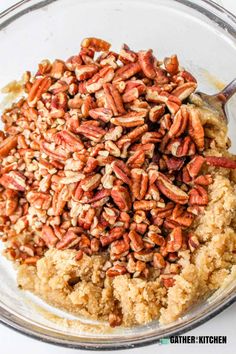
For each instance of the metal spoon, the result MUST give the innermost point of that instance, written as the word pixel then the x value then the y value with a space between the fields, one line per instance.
pixel 218 101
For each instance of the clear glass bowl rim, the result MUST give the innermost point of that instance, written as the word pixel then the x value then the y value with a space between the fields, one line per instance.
pixel 220 16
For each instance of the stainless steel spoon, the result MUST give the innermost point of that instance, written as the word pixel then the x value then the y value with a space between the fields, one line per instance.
pixel 218 101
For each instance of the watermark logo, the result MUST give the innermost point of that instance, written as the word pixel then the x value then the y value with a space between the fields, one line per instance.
pixel 194 340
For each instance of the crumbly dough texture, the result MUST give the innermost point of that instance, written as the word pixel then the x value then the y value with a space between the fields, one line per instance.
pixel 142 301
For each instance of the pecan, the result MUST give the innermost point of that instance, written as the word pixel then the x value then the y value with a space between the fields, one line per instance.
pixel 84 72
pixel 181 217
pixel 126 55
pixel 115 319
pixel 137 243
pixel 156 113
pixel 126 72
pixel 154 94
pixel 57 154
pixel 119 248
pixel 193 242
pixel 39 200
pixel 49 236
pixel 139 184
pixel 148 149
pixel 173 104
pixel 161 77
pixel 13 180
pixel 69 141
pixel 172 64
pixel 91 132
pixel 174 240
pixel 91 165
pixel 168 281
pixel 174 163
pixel 61 198
pixel 152 193
pixel 145 204
pixel 195 165
pixel 113 99
pixel 133 89
pixel 95 43
pixel 103 193
pixel 57 69
pixel 198 196
pixel 170 190
pixel 11 206
pixel 204 180
pixel 180 122
pixel 112 148
pixel 151 137
pixel 116 270
pixel 181 147
pixel 104 114
pixel 115 234
pixel 196 130
pixel 58 105
pixel 144 255
pixel 40 86
pixel 7 145
pixel 185 90
pixel 96 82
pixel 91 182
pixel 121 198
pixel 156 238
pixel 121 171
pixel 131 119
pixel 147 61
pixel 133 135
pixel 158 261
pixel 224 162
pixel 59 86
pixel 70 239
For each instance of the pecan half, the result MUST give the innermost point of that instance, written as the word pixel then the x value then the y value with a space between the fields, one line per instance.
pixel 224 162
pixel 139 184
pixel 70 141
pixel 198 196
pixel 84 72
pixel 7 145
pixel 113 99
pixel 95 43
pixel 170 190
pixel 196 130
pixel 13 180
pixel 147 61
pixel 121 198
pixel 129 120
pixel 172 64
pixel 40 86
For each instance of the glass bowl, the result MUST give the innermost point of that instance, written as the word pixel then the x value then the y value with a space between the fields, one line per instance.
pixel 203 35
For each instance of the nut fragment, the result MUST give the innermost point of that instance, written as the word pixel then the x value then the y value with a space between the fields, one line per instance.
pixel 171 191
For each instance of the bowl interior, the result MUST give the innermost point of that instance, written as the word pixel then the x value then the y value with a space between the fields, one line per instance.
pixel 203 36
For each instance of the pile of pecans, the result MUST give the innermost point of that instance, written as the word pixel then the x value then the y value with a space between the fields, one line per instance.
pixel 103 155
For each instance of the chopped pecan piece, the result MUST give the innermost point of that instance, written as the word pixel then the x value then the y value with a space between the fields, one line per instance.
pixel 95 43
pixel 224 162
pixel 7 145
pixel 121 198
pixel 139 184
pixel 170 190
pixel 147 61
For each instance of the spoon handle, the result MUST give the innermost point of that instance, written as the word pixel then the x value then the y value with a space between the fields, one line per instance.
pixel 229 90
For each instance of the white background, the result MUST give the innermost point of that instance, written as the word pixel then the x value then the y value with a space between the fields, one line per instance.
pixel 224 324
